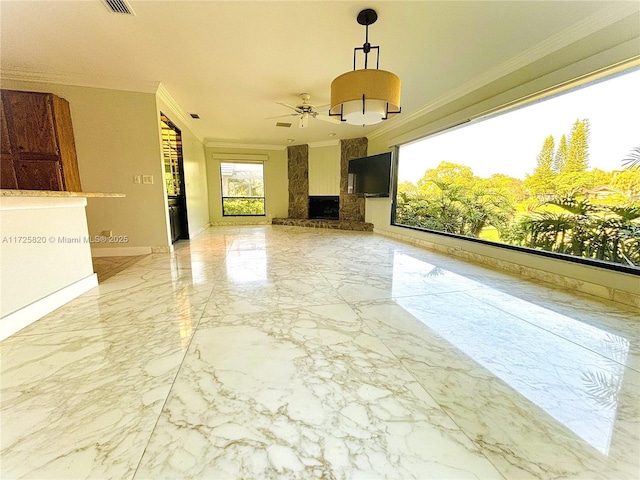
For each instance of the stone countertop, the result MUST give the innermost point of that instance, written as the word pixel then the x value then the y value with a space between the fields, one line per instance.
pixel 50 193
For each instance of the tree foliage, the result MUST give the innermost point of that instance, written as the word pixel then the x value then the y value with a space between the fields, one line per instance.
pixel 632 161
pixel 584 229
pixel 451 199
pixel 542 181
pixel 578 151
pixel 627 181
pixel 572 175
pixel 561 155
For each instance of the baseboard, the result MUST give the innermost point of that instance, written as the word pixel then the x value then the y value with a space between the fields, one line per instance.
pixel 20 319
pixel 121 251
pixel 162 249
pixel 200 230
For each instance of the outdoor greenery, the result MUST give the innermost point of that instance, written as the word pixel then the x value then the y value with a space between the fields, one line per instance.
pixel 562 206
pixel 582 228
pixel 243 206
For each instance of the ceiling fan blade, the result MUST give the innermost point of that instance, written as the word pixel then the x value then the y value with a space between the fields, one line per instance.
pixel 296 109
pixel 327 118
pixel 282 116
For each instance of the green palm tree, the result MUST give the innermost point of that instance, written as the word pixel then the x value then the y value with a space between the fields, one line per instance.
pixel 583 229
pixel 633 158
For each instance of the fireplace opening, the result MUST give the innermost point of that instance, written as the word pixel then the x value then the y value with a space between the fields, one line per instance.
pixel 324 207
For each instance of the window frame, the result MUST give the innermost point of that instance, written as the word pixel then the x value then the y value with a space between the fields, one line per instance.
pixel 223 197
pixel 566 87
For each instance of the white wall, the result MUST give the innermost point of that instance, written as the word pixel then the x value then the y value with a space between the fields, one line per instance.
pixel 276 185
pixel 324 170
pixel 598 281
pixel 117 137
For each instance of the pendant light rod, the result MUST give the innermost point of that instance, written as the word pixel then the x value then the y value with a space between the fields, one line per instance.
pixel 367 17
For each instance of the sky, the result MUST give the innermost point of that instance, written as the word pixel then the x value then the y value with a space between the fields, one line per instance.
pixel 510 143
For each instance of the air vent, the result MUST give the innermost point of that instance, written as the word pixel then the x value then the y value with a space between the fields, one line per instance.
pixel 194 115
pixel 119 6
pixel 283 124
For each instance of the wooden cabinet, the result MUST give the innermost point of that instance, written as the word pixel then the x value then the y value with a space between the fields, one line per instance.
pixel 7 173
pixel 38 148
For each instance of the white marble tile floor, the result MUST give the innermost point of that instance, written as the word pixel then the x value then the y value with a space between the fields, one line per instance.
pixel 278 352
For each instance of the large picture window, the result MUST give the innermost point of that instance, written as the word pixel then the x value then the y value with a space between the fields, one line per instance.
pixel 242 188
pixel 560 175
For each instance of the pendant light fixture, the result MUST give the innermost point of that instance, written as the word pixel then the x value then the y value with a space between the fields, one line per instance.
pixel 365 96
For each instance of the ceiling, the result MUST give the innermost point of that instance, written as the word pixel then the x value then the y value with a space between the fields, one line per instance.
pixel 230 61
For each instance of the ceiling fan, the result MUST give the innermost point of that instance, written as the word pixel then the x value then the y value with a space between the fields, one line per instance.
pixel 304 111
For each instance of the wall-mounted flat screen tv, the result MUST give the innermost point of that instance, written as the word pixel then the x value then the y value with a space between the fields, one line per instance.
pixel 370 176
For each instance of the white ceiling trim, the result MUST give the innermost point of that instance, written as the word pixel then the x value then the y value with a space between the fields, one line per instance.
pixel 572 34
pixel 80 80
pixel 324 143
pixel 167 98
pixel 240 156
pixel 248 146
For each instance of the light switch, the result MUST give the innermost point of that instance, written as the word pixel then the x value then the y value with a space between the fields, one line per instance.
pixel 137 179
pixel 147 179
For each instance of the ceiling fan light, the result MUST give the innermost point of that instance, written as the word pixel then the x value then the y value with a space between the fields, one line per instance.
pixel 304 120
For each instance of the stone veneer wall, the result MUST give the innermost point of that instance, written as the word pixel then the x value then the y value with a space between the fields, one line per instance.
pixel 333 224
pixel 298 163
pixel 351 206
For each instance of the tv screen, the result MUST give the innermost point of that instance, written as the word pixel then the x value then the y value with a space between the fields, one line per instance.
pixel 370 176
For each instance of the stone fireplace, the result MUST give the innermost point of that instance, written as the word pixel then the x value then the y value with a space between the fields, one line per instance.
pixel 344 211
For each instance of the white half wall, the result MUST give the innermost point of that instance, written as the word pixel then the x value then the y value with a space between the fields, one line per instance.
pixel 45 249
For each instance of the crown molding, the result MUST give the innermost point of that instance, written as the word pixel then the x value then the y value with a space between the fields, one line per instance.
pixel 240 156
pixel 579 30
pixel 248 146
pixel 324 143
pixel 163 94
pixel 79 80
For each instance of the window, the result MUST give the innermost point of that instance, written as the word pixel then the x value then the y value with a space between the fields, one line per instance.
pixel 242 188
pixel 559 176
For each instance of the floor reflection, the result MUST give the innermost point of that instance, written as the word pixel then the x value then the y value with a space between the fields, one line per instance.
pixel 185 318
pixel 246 259
pixel 575 385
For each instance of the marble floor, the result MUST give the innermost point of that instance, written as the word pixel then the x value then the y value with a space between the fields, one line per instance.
pixel 284 352
pixel 106 267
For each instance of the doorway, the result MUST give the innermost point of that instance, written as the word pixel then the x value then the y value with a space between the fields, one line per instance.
pixel 174 179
